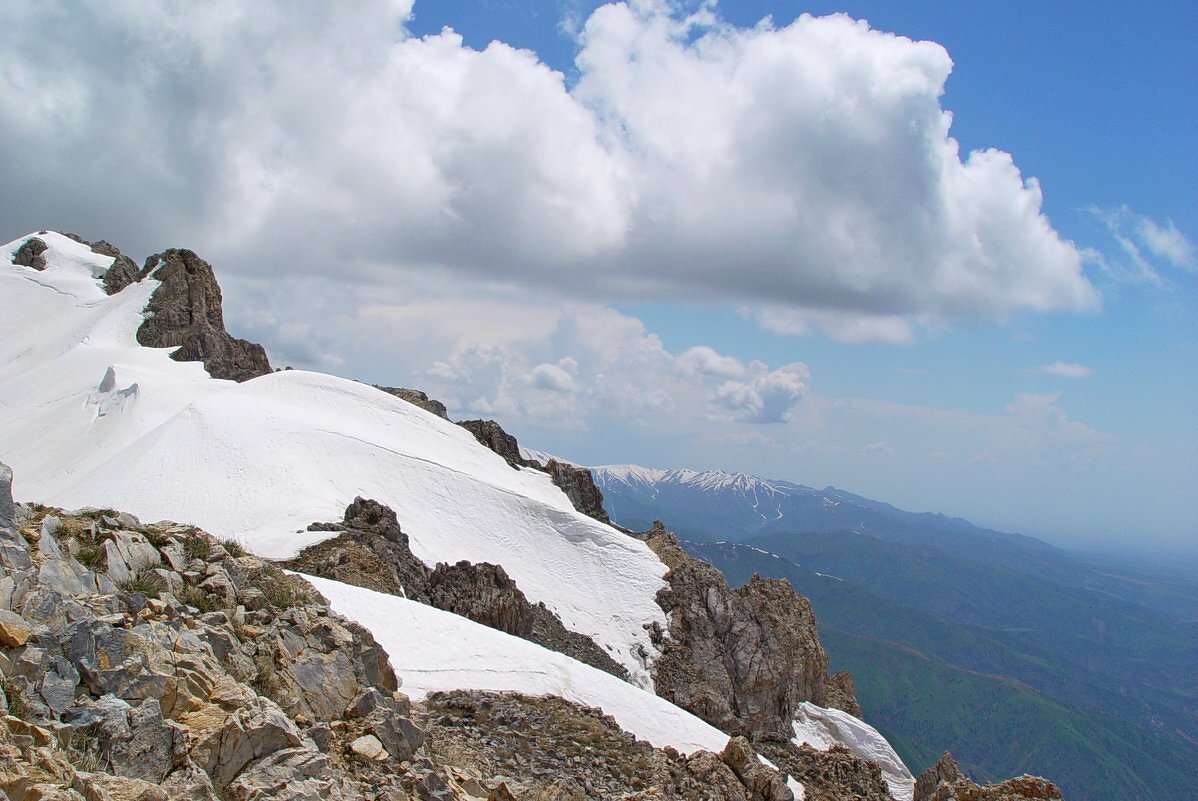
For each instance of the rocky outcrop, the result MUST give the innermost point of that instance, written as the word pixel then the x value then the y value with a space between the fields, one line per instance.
pixel 840 692
pixel 740 659
pixel 576 482
pixel 123 272
pixel 185 313
pixel 552 749
pixel 155 662
pixel 579 486
pixel 31 254
pixel 491 435
pixel 418 398
pixel 372 551
pixel 944 781
pixel 833 775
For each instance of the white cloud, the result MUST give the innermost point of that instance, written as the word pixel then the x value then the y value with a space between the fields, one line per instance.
pixel 1134 234
pixel 765 396
pixel 707 361
pixel 1168 243
pixel 807 169
pixel 1065 370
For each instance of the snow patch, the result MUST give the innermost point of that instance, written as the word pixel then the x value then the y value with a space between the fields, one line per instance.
pixel 822 728
pixel 433 650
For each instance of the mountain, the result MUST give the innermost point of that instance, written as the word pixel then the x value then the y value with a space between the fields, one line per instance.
pixel 1066 644
pixel 439 556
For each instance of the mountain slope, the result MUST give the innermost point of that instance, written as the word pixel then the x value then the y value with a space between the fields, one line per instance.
pixel 93 416
pixel 930 684
pixel 1072 650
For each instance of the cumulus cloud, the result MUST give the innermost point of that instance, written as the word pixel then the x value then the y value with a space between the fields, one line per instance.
pixel 1065 370
pixel 807 168
pixel 764 396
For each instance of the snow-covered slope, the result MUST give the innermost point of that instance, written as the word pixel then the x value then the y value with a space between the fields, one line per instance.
pixel 434 650
pixel 89 417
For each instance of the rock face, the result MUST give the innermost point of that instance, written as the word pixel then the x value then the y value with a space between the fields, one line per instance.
pixel 945 782
pixel 31 254
pixel 491 435
pixel 579 486
pixel 185 313
pixel 418 398
pixel 740 659
pixel 372 551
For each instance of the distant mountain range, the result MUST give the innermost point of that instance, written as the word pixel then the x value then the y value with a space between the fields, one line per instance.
pixel 1015 655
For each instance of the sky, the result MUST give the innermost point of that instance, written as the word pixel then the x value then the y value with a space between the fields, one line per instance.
pixel 937 254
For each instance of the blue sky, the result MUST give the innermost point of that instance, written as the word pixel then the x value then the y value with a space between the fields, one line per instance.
pixel 662 235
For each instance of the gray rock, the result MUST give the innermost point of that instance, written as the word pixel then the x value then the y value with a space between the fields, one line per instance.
pixel 418 398
pixel 58 684
pixel 579 486
pixel 154 745
pixel 185 313
pixel 8 509
pixel 31 254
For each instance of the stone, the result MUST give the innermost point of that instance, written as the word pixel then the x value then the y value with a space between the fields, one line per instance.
pixel 369 747
pixel 491 435
pixel 58 684
pixel 418 398
pixel 185 313
pixel 8 509
pixel 31 254
pixel 14 630
pixel 762 782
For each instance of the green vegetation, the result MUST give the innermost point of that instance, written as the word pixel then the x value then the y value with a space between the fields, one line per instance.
pixel 1003 704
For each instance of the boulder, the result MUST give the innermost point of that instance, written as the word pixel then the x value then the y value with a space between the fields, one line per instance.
pixel 31 254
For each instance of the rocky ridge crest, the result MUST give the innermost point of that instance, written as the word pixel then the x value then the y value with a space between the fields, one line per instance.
pixel 185 312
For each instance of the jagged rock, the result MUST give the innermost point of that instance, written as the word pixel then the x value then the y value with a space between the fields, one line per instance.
pixel 123 271
pixel 833 775
pixel 841 693
pixel 740 659
pixel 8 509
pixel 418 398
pixel 944 781
pixel 372 551
pixel 762 783
pixel 482 592
pixel 491 435
pixel 31 254
pixel 185 313
pixel 579 486
pixel 533 743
